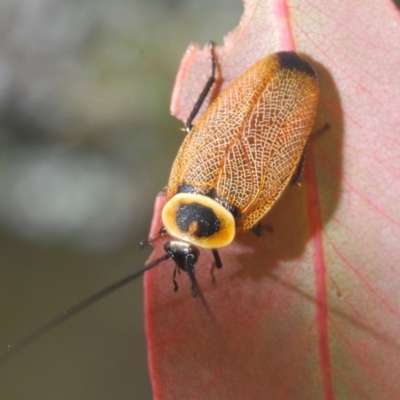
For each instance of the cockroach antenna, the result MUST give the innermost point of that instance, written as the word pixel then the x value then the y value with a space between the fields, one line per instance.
pixel 63 316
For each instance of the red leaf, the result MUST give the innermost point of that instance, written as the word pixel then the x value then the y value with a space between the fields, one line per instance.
pixel 312 309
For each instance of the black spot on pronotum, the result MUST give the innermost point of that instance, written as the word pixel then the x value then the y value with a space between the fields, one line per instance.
pixel 207 223
pixel 290 60
pixel 212 194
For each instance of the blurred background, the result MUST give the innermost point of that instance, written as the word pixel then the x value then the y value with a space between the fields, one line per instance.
pixel 86 142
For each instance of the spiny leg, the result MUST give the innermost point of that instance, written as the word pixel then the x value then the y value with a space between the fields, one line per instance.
pixel 160 233
pixel 259 228
pixel 190 270
pixel 300 168
pixel 217 264
pixel 205 91
pixel 176 287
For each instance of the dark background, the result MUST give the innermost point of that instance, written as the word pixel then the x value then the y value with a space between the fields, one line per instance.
pixel 86 142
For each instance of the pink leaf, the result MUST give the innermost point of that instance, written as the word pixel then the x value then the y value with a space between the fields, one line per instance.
pixel 310 310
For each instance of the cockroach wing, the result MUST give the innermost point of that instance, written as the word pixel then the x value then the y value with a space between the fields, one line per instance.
pixel 247 145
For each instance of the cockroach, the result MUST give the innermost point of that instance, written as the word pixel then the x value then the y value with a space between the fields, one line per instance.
pixel 237 159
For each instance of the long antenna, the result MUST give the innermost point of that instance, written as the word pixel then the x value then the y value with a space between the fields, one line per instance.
pixel 51 323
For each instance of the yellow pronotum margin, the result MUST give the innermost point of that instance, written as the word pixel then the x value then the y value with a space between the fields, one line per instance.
pixel 222 238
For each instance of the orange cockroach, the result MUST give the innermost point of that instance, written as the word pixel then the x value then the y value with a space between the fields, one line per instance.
pixel 233 165
pixel 238 158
